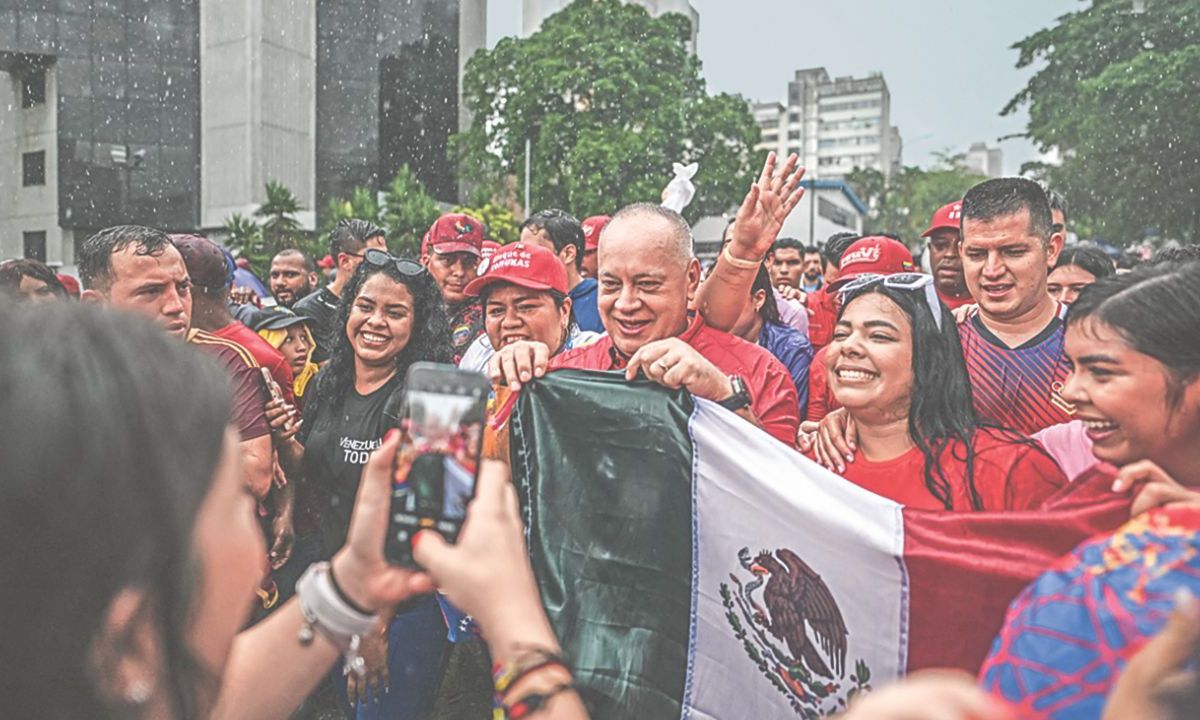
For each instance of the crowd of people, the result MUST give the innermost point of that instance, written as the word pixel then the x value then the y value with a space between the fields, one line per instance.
pixel 189 538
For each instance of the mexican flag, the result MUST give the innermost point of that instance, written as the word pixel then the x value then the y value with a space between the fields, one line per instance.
pixel 695 567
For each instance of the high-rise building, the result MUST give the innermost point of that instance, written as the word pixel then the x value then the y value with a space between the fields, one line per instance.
pixel 834 125
pixel 983 160
pixel 535 11
pixel 175 113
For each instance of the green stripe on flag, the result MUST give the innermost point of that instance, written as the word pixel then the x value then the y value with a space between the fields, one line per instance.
pixel 604 471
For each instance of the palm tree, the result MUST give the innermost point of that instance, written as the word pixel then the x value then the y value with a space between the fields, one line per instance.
pixel 279 217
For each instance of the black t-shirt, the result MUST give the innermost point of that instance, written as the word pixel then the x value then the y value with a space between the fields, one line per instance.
pixel 321 306
pixel 338 438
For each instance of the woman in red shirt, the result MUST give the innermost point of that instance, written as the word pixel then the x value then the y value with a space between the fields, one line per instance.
pixel 896 365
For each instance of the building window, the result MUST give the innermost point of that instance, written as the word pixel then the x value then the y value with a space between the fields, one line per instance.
pixel 33 88
pixel 793 134
pixel 33 168
pixel 35 245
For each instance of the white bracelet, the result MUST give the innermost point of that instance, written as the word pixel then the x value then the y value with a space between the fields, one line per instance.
pixel 325 611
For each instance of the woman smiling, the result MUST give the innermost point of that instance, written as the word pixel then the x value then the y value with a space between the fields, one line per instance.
pixel 896 365
pixel 523 289
pixel 391 314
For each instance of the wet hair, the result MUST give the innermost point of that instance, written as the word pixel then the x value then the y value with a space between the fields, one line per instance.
pixel 309 265
pixel 429 341
pixel 1092 259
pixel 1156 310
pixel 350 235
pixel 1002 197
pixel 1176 255
pixel 836 246
pixel 1057 202
pixel 681 232
pixel 563 228
pixel 941 413
pixel 95 255
pixel 787 244
pixel 769 312
pixel 11 272
pixel 110 436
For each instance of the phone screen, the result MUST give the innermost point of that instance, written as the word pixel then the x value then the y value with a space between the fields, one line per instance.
pixel 442 429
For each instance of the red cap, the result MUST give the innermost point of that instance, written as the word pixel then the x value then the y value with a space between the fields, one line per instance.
pixel 70 283
pixel 489 249
pixel 325 262
pixel 524 264
pixel 591 230
pixel 947 217
pixel 454 232
pixel 874 255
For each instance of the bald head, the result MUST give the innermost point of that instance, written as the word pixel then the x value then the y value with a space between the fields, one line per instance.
pixel 658 226
pixel 647 276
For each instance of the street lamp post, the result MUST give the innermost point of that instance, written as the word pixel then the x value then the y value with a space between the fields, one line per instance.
pixel 126 163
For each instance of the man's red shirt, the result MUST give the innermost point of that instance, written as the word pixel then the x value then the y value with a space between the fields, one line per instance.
pixel 774 400
pixel 954 302
pixel 822 317
pixel 266 355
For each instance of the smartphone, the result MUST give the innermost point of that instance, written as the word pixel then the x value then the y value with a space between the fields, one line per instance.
pixel 441 425
pixel 272 386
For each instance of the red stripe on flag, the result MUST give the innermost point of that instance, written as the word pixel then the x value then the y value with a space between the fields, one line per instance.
pixel 965 568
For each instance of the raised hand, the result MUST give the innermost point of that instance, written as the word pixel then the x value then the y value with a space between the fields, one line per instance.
pixel 771 199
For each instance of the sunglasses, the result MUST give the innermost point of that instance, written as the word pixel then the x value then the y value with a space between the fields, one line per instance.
pixel 379 258
pixel 899 281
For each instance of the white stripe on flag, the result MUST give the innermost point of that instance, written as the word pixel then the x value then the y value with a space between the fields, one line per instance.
pixel 752 616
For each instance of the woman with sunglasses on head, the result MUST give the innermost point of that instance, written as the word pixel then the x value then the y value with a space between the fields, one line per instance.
pixel 896 365
pixel 391 315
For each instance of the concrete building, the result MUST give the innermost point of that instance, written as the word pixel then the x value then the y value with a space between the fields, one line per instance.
pixel 175 113
pixel 984 160
pixel 834 125
pixel 535 11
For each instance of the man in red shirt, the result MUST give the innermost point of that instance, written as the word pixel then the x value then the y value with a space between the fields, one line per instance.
pixel 648 277
pixel 944 262
pixel 207 266
pixel 138 269
pixel 1014 344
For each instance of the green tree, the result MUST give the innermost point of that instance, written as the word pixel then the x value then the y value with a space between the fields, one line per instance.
pixel 1115 96
pixel 608 98
pixel 279 228
pixel 278 214
pixel 501 224
pixel 904 203
pixel 407 211
pixel 363 204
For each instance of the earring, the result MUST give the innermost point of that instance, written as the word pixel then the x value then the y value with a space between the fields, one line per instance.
pixel 137 693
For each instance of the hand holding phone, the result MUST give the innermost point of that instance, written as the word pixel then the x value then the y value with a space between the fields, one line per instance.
pixel 438 459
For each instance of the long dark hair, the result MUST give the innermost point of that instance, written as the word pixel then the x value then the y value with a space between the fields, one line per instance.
pixel 429 342
pixel 942 413
pixel 1156 309
pixel 110 435
pixel 769 312
pixel 1091 259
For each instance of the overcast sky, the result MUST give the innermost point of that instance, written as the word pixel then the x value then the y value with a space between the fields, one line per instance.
pixel 948 63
